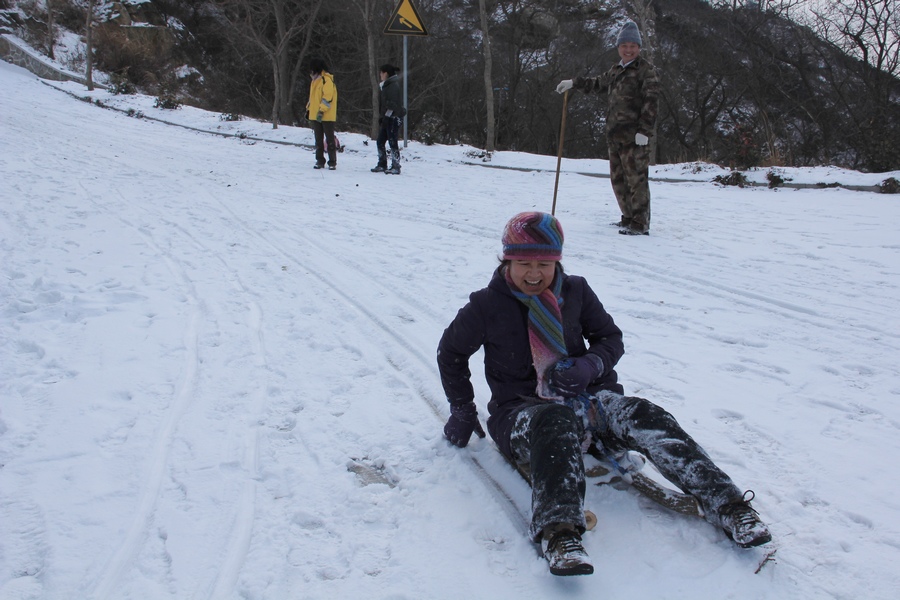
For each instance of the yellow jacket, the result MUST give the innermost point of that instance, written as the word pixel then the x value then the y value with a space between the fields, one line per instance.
pixel 322 97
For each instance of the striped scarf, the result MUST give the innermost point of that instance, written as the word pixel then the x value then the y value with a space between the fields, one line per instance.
pixel 545 330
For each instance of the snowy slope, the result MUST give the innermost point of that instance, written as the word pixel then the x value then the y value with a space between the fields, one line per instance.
pixel 217 372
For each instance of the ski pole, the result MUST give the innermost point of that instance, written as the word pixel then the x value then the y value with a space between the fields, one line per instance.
pixel 562 135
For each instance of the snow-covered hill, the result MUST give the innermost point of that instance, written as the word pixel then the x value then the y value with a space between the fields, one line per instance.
pixel 217 372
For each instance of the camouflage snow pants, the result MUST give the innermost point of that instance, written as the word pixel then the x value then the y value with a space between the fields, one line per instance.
pixel 629 165
pixel 548 437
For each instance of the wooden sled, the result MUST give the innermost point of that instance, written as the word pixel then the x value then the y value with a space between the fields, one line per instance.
pixel 627 473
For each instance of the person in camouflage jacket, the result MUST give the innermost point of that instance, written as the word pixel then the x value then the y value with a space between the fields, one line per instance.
pixel 632 86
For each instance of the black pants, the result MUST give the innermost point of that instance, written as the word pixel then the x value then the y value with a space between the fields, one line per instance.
pixel 390 128
pixel 549 438
pixel 324 131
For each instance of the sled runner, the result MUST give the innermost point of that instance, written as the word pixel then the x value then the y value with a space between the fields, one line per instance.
pixel 624 471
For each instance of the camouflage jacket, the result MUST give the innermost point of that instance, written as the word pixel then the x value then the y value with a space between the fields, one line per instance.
pixel 633 98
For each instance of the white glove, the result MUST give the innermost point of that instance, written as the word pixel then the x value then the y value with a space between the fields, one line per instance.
pixel 564 86
pixel 640 139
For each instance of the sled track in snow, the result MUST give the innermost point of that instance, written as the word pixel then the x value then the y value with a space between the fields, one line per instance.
pixel 127 552
pixel 762 302
pixel 125 556
pixel 319 257
pixel 806 314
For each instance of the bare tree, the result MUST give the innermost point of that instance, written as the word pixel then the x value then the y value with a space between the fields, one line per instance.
pixel 644 13
pixel 644 17
pixel 488 79
pixel 273 26
pixel 367 11
pixel 866 29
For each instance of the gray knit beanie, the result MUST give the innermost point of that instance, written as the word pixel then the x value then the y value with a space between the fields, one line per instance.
pixel 629 33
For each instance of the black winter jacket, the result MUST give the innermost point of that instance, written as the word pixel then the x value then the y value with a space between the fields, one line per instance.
pixel 496 320
pixel 391 97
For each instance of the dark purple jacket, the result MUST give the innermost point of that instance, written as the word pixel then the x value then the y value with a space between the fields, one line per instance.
pixel 496 320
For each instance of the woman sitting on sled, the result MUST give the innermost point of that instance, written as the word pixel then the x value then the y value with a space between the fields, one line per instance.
pixel 550 350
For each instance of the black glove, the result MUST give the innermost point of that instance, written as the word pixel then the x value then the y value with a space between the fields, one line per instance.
pixel 571 376
pixel 462 422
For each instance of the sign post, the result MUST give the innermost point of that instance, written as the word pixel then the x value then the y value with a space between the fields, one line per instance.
pixel 405 21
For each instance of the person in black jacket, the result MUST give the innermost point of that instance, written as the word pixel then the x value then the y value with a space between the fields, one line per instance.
pixel 391 113
pixel 550 349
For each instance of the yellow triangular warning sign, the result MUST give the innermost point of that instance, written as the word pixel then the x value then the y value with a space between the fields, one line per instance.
pixel 405 20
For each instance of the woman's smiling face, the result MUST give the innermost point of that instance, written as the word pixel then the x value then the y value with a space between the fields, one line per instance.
pixel 532 276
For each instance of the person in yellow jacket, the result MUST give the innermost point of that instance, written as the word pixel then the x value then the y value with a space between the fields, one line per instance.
pixel 322 112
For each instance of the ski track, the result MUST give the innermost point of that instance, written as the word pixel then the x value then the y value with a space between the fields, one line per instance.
pixel 486 471
pixel 315 263
pixel 325 262
pixel 123 558
pixel 147 517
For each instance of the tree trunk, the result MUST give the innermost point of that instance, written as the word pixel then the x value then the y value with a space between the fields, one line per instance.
pixel 252 20
pixel 50 26
pixel 643 11
pixel 301 58
pixel 373 76
pixel 488 80
pixel 283 88
pixel 89 50
pixel 276 103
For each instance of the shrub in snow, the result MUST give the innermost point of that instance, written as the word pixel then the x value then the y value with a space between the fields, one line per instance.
pixel 734 178
pixel 167 101
pixel 889 186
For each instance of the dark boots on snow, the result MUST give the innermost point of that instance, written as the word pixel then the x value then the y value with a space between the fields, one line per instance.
pixel 382 167
pixel 742 524
pixel 563 550
pixel 395 163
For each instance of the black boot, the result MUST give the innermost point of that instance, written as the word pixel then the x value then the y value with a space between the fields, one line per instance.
pixel 381 167
pixel 562 548
pixel 395 163
pixel 742 524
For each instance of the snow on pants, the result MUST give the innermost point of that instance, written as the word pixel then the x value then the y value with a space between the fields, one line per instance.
pixel 629 166
pixel 390 129
pixel 548 438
